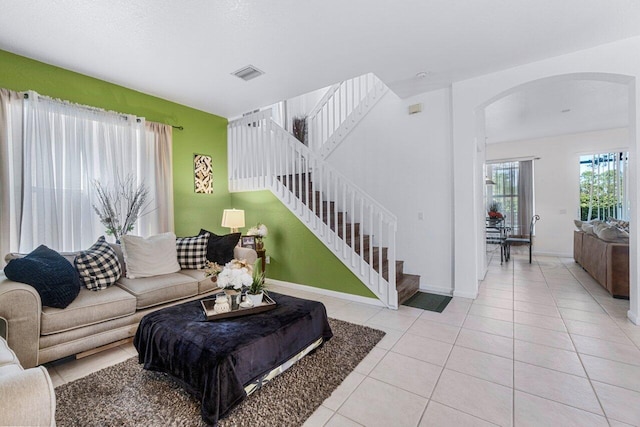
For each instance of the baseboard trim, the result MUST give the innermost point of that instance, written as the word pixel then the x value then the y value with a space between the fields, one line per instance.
pixel 470 295
pixel 437 290
pixel 632 316
pixel 327 292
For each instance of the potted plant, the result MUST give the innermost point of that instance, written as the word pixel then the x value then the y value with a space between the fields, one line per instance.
pixel 494 213
pixel 256 290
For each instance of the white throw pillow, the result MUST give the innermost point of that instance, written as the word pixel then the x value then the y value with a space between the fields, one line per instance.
pixel 613 234
pixel 151 256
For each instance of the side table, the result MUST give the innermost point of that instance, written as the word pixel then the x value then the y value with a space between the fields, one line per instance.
pixel 261 254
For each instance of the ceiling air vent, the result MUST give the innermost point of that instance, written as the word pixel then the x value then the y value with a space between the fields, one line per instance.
pixel 247 73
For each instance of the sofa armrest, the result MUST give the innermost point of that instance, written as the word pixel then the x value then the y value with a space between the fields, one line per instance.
pixel 20 305
pixel 245 253
pixel 27 397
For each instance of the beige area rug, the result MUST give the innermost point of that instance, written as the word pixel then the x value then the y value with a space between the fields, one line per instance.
pixel 127 395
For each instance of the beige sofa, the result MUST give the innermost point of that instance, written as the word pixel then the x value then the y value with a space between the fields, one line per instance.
pixel 40 334
pixel 26 395
pixel 606 262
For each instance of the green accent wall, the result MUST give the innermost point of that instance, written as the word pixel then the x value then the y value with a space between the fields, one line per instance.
pixel 297 256
pixel 203 133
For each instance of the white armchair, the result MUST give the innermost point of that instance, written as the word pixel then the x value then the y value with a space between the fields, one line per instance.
pixel 26 395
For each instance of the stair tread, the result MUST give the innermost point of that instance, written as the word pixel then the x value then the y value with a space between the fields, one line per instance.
pixel 407 287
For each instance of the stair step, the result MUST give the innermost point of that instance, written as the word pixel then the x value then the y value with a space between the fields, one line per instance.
pixel 356 229
pixel 407 287
pixel 376 258
pixel 287 179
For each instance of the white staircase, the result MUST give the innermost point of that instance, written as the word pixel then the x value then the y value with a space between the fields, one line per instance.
pixel 340 110
pixel 361 232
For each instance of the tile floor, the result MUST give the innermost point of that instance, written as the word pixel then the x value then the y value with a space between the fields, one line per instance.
pixel 542 345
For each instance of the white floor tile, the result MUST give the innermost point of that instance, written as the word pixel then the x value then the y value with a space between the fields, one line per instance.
pixel 371 360
pixel 614 373
pixel 491 312
pixel 392 319
pixel 490 326
pixel 425 349
pixel 546 322
pixel 534 411
pixel 434 330
pixel 75 369
pixel 319 417
pixel 619 403
pixel 377 403
pixel 407 373
pixel 605 332
pixel 548 309
pixel 343 391
pixel 607 350
pixel 488 343
pixel 481 398
pixel 542 336
pixel 438 415
pixel 549 357
pixel 481 365
pixel 557 386
pixel 454 318
pixel 339 421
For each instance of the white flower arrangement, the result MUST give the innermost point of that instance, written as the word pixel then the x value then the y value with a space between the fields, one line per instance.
pixel 259 230
pixel 235 275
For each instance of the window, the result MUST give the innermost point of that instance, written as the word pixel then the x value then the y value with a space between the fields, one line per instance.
pixel 604 186
pixel 56 151
pixel 513 192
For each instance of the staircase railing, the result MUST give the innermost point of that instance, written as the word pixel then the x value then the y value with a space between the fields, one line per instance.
pixel 359 230
pixel 340 109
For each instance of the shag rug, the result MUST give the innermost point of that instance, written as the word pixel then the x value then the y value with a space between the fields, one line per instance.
pixel 127 395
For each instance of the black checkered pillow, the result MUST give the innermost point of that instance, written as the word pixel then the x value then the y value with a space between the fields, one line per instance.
pixel 192 251
pixel 98 266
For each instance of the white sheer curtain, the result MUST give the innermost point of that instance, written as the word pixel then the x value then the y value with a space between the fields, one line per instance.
pixel 10 170
pixel 65 148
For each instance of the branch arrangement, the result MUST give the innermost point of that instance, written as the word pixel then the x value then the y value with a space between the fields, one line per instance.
pixel 120 207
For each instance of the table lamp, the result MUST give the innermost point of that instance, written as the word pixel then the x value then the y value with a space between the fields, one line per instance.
pixel 233 218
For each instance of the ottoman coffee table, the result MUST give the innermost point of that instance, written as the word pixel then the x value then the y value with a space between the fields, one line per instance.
pixel 220 361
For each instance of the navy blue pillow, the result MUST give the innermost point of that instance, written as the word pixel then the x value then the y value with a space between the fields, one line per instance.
pixel 55 279
pixel 220 248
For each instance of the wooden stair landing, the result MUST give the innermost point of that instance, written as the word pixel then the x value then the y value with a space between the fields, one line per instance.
pixel 406 284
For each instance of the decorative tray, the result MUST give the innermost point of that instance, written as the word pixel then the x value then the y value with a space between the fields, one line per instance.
pixel 207 306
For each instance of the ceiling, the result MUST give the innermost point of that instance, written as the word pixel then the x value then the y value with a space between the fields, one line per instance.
pixel 184 51
pixel 558 107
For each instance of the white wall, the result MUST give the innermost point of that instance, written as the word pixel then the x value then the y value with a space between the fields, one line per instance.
pixel 556 180
pixel 614 60
pixel 406 166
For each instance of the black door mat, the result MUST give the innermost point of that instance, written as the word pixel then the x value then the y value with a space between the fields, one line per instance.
pixel 427 301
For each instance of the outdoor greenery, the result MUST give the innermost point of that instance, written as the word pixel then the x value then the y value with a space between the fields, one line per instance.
pixel 605 196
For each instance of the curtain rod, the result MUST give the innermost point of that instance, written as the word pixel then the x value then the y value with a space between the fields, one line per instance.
pixel 513 159
pixel 26 96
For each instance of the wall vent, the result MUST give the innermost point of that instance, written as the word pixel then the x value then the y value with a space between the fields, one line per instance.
pixel 247 73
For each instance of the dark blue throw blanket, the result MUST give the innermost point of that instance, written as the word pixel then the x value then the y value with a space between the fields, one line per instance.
pixel 215 359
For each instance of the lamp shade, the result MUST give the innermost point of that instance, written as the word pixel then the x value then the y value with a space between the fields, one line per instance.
pixel 233 218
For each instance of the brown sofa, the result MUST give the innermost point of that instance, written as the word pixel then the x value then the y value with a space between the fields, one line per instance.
pixel 606 262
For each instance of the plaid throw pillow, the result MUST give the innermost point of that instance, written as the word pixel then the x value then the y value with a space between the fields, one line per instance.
pixel 98 266
pixel 192 251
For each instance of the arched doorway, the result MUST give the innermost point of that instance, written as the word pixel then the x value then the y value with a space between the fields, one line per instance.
pixel 627 87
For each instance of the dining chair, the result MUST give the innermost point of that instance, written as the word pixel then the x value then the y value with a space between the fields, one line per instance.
pixel 521 241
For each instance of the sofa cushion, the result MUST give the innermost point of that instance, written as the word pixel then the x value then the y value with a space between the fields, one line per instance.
pixel 204 283
pixel 150 291
pixel 55 279
pixel 220 248
pixel 98 266
pixel 612 234
pixel 151 256
pixel 192 251
pixel 89 308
